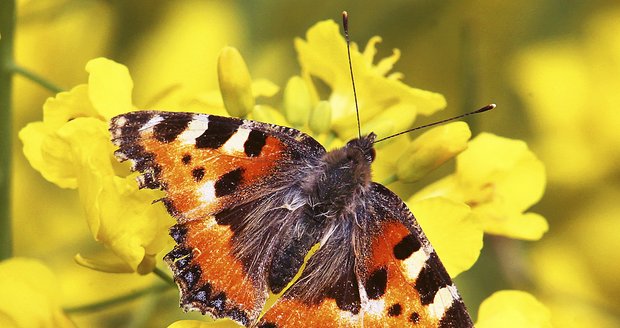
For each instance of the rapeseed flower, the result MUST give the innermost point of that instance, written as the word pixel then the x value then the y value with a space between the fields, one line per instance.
pixel 71 148
pixel 499 179
pixel 29 295
pixel 569 87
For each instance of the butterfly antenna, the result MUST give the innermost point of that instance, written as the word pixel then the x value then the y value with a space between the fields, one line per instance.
pixel 483 109
pixel 345 26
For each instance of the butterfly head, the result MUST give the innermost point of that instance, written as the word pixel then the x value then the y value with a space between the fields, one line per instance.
pixel 362 147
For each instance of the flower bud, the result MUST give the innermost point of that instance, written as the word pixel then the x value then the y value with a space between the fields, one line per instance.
pixel 321 117
pixel 431 149
pixel 297 101
pixel 235 83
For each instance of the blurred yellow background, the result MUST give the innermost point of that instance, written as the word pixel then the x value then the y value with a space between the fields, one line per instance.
pixel 552 67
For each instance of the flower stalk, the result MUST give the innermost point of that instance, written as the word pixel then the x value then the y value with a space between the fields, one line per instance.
pixel 7 31
pixel 106 304
pixel 32 76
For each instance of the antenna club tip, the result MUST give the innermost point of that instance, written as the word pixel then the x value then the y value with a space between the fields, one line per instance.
pixel 485 108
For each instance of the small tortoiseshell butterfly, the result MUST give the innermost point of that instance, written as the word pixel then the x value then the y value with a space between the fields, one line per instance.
pixel 251 199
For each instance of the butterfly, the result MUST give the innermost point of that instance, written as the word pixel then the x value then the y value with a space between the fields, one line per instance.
pixel 251 200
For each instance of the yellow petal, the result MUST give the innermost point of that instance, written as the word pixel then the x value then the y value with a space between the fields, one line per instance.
pixel 111 264
pixel 323 55
pixel 507 164
pixel 29 295
pixel 512 308
pixel 431 149
pixel 34 136
pixel 267 114
pixel 297 101
pixel 235 83
pixel 58 154
pixel 109 87
pixel 264 88
pixel 321 117
pixel 452 231
pixel 123 218
pixel 500 179
pixel 393 119
pixel 386 64
pixel 527 226
pixel 44 143
pixel 67 106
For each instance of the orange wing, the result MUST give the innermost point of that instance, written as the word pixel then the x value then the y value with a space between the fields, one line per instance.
pixel 389 277
pixel 206 165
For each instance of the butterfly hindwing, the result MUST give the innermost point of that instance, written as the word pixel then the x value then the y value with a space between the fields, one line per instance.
pixel 418 290
pixel 230 184
pixel 389 275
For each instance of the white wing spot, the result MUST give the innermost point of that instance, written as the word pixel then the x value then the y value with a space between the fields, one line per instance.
pixel 207 192
pixel 156 119
pixel 441 302
pixel 350 318
pixel 235 143
pixel 121 121
pixel 375 307
pixel 414 264
pixel 195 129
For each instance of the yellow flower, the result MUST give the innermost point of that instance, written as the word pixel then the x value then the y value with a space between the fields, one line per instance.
pixel 452 231
pixel 71 148
pixel 570 88
pixel 320 117
pixel 512 308
pixel 29 295
pixel 384 100
pixel 433 148
pixel 576 267
pixel 297 103
pixel 500 179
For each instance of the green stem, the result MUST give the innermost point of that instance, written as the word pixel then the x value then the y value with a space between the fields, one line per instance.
pixel 7 32
pixel 93 307
pixel 164 276
pixel 392 178
pixel 34 77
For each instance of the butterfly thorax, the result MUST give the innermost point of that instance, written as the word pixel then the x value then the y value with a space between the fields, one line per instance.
pixel 342 176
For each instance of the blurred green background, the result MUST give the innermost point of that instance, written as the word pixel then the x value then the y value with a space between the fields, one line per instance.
pixel 552 66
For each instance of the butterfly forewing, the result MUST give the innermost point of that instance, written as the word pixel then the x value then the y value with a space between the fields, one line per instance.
pixel 228 184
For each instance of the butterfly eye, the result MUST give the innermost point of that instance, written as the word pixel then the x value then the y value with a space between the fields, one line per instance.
pixel 373 154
